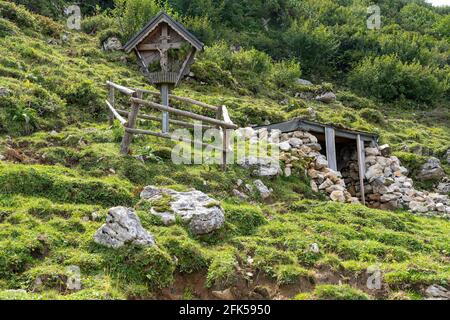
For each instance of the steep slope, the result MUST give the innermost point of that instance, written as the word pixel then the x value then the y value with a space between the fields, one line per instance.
pixel 61 171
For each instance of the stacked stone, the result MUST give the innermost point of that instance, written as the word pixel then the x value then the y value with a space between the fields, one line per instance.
pixel 299 146
pixel 387 186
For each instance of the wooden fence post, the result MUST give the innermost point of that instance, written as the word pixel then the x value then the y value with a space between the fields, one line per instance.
pixel 224 149
pixel 131 123
pixel 111 100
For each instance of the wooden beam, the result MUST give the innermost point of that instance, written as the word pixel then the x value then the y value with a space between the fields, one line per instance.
pixel 331 148
pixel 166 136
pixel 115 113
pixel 111 105
pixel 361 166
pixel 122 89
pixel 131 123
pixel 183 67
pixel 157 46
pixel 183 99
pixel 155 118
pixel 185 113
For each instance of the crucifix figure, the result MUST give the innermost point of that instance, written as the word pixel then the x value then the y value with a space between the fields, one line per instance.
pixel 162 47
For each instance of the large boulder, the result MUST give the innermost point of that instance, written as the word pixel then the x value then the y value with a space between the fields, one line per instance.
pixel 112 44
pixel 437 292
pixel 304 82
pixel 201 213
pixel 122 227
pixel 431 170
pixel 327 97
pixel 262 189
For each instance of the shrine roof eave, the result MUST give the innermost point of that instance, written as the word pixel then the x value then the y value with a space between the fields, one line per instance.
pixel 162 17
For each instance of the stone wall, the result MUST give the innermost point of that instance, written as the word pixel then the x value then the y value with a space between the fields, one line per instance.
pixel 386 185
pixel 303 148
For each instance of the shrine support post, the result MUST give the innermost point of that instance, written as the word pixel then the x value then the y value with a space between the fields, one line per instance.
pixel 165 102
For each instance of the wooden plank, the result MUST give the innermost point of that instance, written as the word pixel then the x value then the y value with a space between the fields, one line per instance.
pixel 112 102
pixel 183 67
pixel 331 148
pixel 122 89
pixel 157 46
pixel 115 113
pixel 165 102
pixel 155 118
pixel 361 166
pixel 128 136
pixel 183 99
pixel 185 113
pixel 165 136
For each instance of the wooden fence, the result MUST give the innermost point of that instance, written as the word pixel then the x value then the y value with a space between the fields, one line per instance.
pixel 128 119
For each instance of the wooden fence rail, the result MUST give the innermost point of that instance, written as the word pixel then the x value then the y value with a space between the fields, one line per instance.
pixel 221 121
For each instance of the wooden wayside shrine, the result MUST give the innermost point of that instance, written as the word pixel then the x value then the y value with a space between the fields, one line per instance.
pixel 165 51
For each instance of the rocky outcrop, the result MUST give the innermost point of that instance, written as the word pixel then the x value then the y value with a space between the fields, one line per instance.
pixel 387 186
pixel 431 170
pixel 112 44
pixel 436 292
pixel 122 227
pixel 197 210
pixel 327 97
pixel 262 189
pixel 304 82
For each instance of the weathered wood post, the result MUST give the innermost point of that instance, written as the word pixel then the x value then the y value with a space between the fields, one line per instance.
pixel 224 148
pixel 361 166
pixel 131 124
pixel 165 102
pixel 111 100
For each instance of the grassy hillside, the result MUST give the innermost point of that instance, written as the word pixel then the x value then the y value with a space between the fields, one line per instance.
pixel 62 171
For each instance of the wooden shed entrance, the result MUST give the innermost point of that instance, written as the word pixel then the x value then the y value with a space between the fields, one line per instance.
pixel 332 140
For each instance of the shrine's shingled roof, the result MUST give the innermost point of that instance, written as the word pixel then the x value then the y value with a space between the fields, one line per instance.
pixel 175 25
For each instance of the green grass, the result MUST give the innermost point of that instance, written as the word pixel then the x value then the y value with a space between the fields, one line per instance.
pixel 46 202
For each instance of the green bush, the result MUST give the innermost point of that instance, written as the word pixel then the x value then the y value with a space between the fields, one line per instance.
pixel 372 115
pixel 17 14
pixel 388 79
pixel 97 23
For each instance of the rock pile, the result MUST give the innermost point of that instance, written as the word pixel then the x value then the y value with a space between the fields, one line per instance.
pixel 297 147
pixel 122 227
pixel 201 213
pixel 387 186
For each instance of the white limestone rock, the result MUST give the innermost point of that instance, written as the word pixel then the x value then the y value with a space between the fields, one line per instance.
pixel 201 213
pixel 123 227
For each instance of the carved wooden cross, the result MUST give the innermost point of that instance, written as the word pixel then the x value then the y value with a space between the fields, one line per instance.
pixel 162 47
